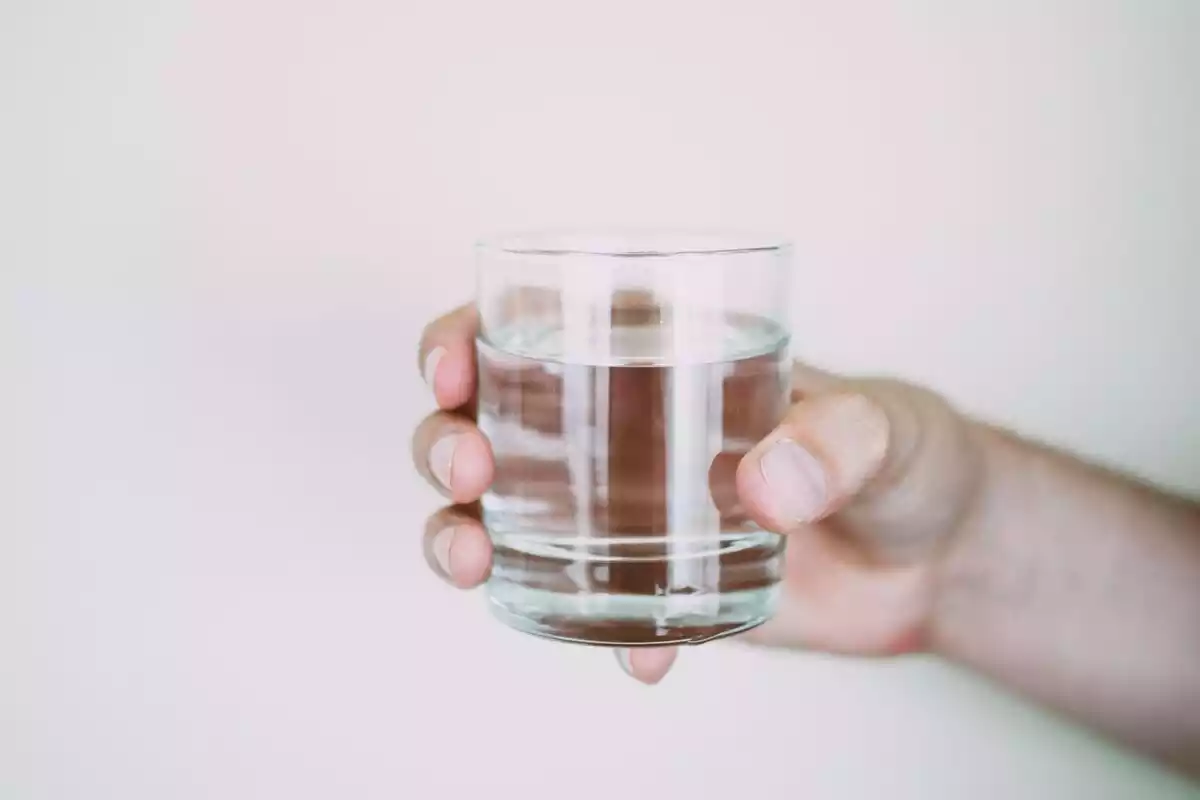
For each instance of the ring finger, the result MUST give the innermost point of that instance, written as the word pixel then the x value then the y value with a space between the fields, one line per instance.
pixel 457 548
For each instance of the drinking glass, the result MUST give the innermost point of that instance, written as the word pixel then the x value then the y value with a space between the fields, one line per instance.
pixel 622 377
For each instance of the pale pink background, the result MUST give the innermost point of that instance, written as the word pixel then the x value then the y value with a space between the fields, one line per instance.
pixel 225 223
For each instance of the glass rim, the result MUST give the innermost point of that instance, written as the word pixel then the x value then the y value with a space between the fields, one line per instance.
pixel 668 243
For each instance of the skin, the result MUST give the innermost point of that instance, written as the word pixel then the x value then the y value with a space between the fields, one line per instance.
pixel 916 529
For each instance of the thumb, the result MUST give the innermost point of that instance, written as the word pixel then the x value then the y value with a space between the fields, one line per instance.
pixel 896 464
pixel 824 452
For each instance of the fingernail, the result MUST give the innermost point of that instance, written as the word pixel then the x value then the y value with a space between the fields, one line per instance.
pixel 623 661
pixel 442 543
pixel 429 371
pixel 441 459
pixel 796 480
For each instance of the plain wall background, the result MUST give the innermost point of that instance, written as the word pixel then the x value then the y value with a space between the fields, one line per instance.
pixel 224 225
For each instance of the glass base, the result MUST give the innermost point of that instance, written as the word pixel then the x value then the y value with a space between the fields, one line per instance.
pixel 612 620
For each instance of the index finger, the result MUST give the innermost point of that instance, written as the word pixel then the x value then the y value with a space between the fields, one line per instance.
pixel 446 356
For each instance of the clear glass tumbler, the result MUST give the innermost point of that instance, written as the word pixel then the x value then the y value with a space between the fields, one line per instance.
pixel 622 377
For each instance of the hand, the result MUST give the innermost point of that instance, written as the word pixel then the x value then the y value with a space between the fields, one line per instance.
pixel 871 480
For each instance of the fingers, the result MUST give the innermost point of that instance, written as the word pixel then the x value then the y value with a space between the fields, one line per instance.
pixel 646 664
pixel 821 455
pixel 453 456
pixel 446 357
pixel 459 551
pixel 457 548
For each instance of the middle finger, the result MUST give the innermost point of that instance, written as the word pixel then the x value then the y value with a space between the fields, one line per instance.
pixel 451 453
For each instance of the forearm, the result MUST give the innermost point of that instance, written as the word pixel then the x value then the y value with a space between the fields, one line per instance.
pixel 1080 589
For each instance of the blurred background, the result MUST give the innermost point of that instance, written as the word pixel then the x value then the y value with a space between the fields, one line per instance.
pixel 224 225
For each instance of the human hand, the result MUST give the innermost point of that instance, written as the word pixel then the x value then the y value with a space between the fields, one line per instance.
pixel 870 479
